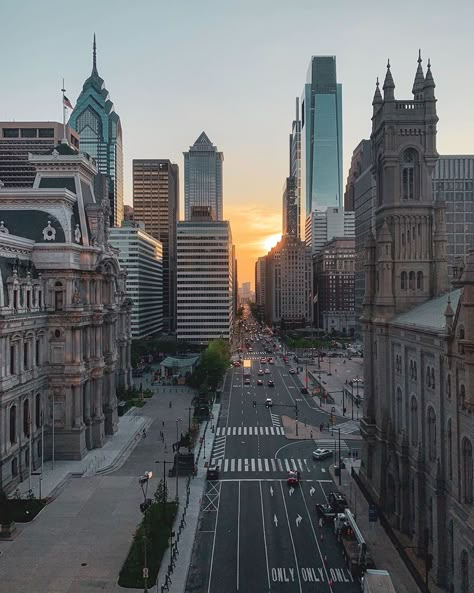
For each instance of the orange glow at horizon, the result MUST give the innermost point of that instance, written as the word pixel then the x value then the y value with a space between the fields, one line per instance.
pixel 271 241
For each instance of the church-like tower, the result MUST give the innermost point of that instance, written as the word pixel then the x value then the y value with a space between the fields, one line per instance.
pixel 409 262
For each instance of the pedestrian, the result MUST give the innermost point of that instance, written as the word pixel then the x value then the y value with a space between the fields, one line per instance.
pixel 170 403
pixel 144 434
pixel 163 424
pixel 311 434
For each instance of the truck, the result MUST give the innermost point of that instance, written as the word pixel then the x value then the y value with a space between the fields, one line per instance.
pixel 247 368
pixel 377 581
pixel 354 548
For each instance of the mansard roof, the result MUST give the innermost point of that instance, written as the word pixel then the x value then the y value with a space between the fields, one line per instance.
pixel 430 314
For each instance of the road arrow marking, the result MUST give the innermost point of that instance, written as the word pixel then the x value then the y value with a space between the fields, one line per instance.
pixel 312 490
pixel 275 520
pixel 291 490
pixel 271 490
pixel 299 518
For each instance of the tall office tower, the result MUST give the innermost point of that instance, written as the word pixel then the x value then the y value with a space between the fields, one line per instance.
pixel 453 184
pixel 295 170
pixel 141 255
pixel 360 199
pixel 127 212
pixel 18 139
pixel 322 226
pixel 205 294
pixel 203 177
pixel 260 269
pixel 291 213
pixel 321 136
pixel 289 284
pixel 100 130
pixel 156 204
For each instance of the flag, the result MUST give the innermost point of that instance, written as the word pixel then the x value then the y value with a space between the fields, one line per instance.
pixel 315 299
pixel 67 103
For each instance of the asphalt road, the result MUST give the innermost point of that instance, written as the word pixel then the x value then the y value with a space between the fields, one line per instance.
pixel 256 533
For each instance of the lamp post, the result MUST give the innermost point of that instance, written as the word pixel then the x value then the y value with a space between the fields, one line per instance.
pixel 176 457
pixel 144 506
pixel 165 463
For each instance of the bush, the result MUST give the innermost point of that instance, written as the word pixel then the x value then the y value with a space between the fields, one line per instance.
pixel 156 527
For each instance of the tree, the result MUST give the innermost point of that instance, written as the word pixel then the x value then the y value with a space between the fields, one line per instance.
pixel 161 494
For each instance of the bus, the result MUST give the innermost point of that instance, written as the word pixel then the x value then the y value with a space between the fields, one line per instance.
pixel 247 367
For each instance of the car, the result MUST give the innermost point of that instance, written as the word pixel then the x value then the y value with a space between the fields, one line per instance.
pixel 337 502
pixel 267 371
pixel 212 472
pixel 325 511
pixel 259 382
pixel 247 382
pixel 263 361
pixel 291 371
pixel 269 402
pixel 260 371
pixel 322 453
pixel 293 477
pixel 270 383
pixel 270 361
pixel 304 390
pixel 236 363
pixel 250 349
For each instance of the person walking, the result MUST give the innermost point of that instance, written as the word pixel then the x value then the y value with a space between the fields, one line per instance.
pixel 170 405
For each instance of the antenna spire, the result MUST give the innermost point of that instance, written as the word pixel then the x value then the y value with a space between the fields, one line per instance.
pixel 94 57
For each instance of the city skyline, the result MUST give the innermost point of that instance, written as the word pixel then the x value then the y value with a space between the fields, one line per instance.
pixel 227 98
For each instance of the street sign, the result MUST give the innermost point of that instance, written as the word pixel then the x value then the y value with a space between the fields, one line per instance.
pixel 373 515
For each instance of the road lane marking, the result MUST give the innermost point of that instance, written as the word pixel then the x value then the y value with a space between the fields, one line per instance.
pixel 226 464
pixel 239 465
pixel 300 464
pixel 238 542
pixel 280 465
pixel 259 464
pixel 287 465
pixel 214 545
pixel 272 461
pixel 291 537
pixel 232 465
pixel 267 468
pixel 252 462
pixel 299 518
pixel 245 431
pixel 265 537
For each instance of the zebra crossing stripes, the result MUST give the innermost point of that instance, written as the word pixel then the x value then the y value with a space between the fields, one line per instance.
pixel 332 444
pixel 218 449
pixel 263 465
pixel 276 419
pixel 348 427
pixel 249 431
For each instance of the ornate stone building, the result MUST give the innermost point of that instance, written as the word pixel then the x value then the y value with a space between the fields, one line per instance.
pixel 418 423
pixel 64 318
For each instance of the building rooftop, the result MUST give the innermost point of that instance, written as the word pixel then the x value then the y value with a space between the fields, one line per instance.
pixel 431 313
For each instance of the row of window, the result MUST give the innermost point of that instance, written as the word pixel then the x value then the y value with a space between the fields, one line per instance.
pixel 407 280
pixel 27 420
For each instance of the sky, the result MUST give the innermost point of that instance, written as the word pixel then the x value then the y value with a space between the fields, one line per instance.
pixel 233 69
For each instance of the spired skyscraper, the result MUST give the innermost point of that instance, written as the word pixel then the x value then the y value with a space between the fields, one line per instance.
pixel 321 136
pixel 203 178
pixel 100 130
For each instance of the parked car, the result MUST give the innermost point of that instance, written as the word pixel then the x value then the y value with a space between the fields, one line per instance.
pixel 321 454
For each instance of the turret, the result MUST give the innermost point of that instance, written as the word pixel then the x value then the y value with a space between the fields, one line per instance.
pixel 377 100
pixel 429 85
pixel 419 81
pixel 388 85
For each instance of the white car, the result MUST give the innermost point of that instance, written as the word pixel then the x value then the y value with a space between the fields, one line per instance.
pixel 269 402
pixel 292 371
pixel 321 454
pixel 260 371
pixel 267 371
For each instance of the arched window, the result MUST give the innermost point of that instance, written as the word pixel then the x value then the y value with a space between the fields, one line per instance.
pixel 449 438
pixel 58 296
pixel 431 434
pixel 409 174
pixel 467 471
pixel 414 421
pixel 26 417
pixel 464 572
pixel 38 410
pixel 13 425
pixel 411 281
pixel 462 396
pixel 399 419
pixel 419 280
pixel 448 386
pixel 403 281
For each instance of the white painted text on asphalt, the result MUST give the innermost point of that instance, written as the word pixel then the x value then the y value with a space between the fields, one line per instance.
pixel 312 575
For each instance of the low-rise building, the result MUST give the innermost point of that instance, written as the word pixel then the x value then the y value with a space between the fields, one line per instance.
pixel 322 226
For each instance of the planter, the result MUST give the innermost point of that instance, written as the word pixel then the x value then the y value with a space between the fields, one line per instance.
pixel 7 531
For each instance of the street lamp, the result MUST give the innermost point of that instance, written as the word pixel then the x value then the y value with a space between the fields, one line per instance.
pixel 144 506
pixel 178 420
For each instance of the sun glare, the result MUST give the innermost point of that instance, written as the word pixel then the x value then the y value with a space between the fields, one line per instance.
pixel 271 241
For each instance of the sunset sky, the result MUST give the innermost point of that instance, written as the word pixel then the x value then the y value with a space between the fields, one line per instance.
pixel 233 69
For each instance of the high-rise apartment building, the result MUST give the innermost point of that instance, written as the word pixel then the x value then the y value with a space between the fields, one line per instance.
pixel 141 255
pixel 321 136
pixel 260 269
pixel 205 294
pixel 18 139
pixel 322 226
pixel 95 119
pixel 156 204
pixel 203 184
pixel 289 284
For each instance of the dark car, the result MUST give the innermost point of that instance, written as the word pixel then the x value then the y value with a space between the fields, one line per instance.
pixel 270 383
pixel 325 511
pixel 337 501
pixel 212 472
pixel 304 390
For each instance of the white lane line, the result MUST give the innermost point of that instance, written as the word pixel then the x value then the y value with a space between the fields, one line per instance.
pixel 259 463
pixel 300 464
pixel 238 541
pixel 287 465
pixel 214 540
pixel 239 431
pixel 239 465
pixel 272 461
pixel 232 465
pixel 306 463
pixel 226 464
pixel 234 431
pixel 272 430
pixel 252 463
pixel 218 432
pixel 265 537
pixel 245 431
pixel 280 465
pixel 266 430
pixel 291 537
pixel 294 464
pixel 267 467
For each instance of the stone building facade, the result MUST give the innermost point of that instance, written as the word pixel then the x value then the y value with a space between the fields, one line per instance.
pixel 64 318
pixel 418 424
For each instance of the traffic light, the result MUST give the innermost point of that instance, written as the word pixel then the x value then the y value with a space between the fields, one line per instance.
pixel 254 404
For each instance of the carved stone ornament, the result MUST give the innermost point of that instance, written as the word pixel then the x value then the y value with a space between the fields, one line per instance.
pixel 77 234
pixel 49 232
pixel 55 154
pixel 3 228
pixel 76 297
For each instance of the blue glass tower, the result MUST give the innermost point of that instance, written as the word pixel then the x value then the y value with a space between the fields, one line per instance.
pixel 321 135
pixel 100 130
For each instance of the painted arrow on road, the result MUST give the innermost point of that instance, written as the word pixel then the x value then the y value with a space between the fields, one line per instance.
pixel 291 490
pixel 312 490
pixel 275 520
pixel 271 490
pixel 299 518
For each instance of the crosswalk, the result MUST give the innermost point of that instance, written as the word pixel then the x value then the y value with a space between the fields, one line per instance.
pixel 276 419
pixel 348 427
pixel 218 450
pixel 256 464
pixel 250 431
pixel 332 444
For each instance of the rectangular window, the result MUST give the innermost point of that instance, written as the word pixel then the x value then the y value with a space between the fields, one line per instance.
pixel 12 360
pixel 25 355
pixel 37 353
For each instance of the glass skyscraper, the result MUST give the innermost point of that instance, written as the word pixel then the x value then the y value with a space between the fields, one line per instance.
pixel 321 134
pixel 203 178
pixel 100 130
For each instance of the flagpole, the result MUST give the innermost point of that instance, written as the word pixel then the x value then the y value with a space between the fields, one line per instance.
pixel 63 90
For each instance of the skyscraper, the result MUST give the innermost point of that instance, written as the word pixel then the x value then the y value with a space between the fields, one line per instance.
pixel 100 130
pixel 203 177
pixel 293 183
pixel 156 203
pixel 321 136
